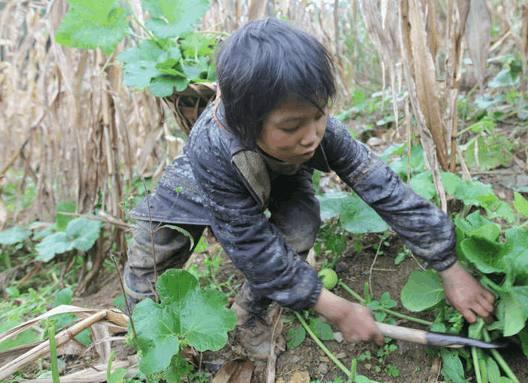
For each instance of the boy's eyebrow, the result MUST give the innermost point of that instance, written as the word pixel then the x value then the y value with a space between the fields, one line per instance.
pixel 289 119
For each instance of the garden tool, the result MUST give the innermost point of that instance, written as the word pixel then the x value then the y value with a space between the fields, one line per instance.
pixel 433 338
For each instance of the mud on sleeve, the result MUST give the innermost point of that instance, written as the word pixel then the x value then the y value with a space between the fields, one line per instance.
pixel 254 245
pixel 425 229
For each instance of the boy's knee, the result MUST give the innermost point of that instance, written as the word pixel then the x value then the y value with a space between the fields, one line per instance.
pixel 302 236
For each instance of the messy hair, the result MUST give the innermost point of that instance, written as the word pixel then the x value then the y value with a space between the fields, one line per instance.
pixel 264 63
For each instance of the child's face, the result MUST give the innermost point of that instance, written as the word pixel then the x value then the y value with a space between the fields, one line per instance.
pixel 292 131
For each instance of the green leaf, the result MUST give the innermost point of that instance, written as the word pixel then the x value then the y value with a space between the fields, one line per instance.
pixel 197 44
pixel 321 329
pixel 90 24
pixel 423 185
pixel 83 233
pixel 175 292
pixel 523 337
pixel 196 71
pixel 354 214
pixel 486 255
pixel 295 337
pixel 61 219
pixel 470 192
pixel 386 301
pixel 173 18
pixel 493 370
pixel 475 225
pixel 140 63
pixel 63 297
pixel 422 290
pixel 158 358
pixel 186 314
pixel 452 368
pixel 521 204
pixel 489 152
pixel 52 245
pixel 514 312
pixel 14 235
pixel 164 86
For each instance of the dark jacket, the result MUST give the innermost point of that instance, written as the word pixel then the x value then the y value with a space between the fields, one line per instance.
pixel 220 183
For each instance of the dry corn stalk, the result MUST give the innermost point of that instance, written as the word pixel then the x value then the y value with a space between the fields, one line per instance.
pixel 61 338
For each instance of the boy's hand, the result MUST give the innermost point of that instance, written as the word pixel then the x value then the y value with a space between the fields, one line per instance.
pixel 353 320
pixel 466 294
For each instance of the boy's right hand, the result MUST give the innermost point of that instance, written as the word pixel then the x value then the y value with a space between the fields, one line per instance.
pixel 353 320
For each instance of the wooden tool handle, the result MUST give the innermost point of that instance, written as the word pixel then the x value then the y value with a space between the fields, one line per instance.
pixel 403 333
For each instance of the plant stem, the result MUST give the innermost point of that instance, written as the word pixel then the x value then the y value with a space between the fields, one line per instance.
pixel 500 360
pixel 353 368
pixel 322 346
pixel 476 365
pixel 388 311
pixel 53 353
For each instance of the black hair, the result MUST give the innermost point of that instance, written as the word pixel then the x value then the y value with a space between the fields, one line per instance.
pixel 264 63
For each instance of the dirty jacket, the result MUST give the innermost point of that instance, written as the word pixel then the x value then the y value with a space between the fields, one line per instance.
pixel 220 183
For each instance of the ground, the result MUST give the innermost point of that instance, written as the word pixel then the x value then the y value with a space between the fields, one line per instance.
pixel 414 363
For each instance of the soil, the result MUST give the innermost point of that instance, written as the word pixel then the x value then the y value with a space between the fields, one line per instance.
pixel 415 363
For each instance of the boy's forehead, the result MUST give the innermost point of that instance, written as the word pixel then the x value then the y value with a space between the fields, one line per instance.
pixel 292 108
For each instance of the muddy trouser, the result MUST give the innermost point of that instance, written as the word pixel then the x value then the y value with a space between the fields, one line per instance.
pixel 156 247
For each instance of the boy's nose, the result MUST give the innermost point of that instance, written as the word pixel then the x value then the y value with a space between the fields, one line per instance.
pixel 310 137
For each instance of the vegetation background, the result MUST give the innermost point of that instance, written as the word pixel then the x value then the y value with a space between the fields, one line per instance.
pixel 409 71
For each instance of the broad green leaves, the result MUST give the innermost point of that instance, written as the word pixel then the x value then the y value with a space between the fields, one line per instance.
pixel 13 236
pixel 172 18
pixel 422 291
pixel 162 67
pixel 452 367
pixel 481 245
pixel 476 193
pixel 80 234
pixel 355 216
pixel 489 152
pixel 186 315
pixel 93 24
pixel 156 63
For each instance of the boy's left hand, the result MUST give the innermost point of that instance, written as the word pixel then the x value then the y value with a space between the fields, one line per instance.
pixel 466 294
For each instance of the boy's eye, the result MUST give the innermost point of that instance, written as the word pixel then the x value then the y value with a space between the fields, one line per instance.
pixel 290 130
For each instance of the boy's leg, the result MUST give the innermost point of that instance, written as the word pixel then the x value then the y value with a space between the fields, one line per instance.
pixel 295 211
pixel 154 249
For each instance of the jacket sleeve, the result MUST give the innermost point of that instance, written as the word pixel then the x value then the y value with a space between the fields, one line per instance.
pixel 425 229
pixel 256 247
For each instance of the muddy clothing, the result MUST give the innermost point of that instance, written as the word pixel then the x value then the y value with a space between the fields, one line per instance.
pixel 219 183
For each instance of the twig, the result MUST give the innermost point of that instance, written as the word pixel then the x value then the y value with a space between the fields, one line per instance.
pixel 374 263
pixel 272 358
pixel 388 311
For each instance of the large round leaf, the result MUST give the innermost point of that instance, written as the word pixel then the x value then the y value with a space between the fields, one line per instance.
pixel 422 291
pixel 13 236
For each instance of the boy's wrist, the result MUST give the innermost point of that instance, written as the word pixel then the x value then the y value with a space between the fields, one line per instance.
pixel 329 306
pixel 455 269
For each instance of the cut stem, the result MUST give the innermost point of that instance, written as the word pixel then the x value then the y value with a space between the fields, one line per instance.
pixel 388 311
pixel 476 364
pixel 321 345
pixel 500 360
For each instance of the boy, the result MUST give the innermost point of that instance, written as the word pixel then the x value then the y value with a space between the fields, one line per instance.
pixel 254 150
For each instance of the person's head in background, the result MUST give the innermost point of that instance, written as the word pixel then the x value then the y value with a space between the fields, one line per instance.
pixel 276 82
